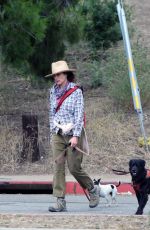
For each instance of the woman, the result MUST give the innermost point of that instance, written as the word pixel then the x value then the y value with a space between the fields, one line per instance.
pixel 66 124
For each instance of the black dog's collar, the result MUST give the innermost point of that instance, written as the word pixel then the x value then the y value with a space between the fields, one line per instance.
pixel 137 186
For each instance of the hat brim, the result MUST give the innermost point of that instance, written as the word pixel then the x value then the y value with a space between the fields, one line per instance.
pixel 52 74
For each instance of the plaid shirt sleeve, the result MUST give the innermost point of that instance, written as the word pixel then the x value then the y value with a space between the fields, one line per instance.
pixel 51 109
pixel 78 113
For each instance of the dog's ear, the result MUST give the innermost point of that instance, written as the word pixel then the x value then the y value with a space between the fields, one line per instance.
pixel 99 180
pixel 131 163
pixel 142 163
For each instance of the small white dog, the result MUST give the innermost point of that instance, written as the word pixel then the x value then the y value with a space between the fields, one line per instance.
pixel 107 191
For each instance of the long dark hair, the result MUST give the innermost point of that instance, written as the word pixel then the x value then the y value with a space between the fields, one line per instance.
pixel 70 76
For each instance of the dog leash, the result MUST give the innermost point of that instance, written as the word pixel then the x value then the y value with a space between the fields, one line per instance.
pixel 123 172
pixel 86 194
pixel 120 172
pixel 81 151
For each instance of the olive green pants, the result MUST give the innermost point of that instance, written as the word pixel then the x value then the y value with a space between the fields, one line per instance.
pixel 73 159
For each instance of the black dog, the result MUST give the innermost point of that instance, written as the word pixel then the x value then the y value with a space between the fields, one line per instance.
pixel 141 182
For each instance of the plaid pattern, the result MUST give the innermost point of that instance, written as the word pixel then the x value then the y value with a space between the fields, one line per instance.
pixel 71 111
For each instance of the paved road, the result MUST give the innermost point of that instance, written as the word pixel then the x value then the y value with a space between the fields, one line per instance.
pixel 38 204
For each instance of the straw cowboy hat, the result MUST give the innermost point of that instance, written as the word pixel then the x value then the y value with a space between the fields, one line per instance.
pixel 59 67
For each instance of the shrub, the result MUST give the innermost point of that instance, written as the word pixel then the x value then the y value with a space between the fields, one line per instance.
pixel 116 76
pixel 21 28
pixel 102 25
pixel 86 61
pixel 95 74
pixel 34 33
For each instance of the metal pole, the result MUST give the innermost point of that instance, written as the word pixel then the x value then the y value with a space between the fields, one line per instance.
pixel 131 68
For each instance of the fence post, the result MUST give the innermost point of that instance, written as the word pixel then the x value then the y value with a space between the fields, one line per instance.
pixel 30 149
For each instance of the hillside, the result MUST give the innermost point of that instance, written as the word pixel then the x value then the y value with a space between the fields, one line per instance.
pixel 141 19
pixel 112 133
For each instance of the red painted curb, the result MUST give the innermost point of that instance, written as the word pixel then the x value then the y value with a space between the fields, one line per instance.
pixel 75 188
pixel 71 187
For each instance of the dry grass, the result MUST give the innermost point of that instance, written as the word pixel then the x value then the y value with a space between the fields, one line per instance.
pixel 10 146
pixel 112 134
pixel 112 137
pixel 17 98
pixel 10 155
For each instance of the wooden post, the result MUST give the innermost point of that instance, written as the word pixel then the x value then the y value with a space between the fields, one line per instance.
pixel 30 149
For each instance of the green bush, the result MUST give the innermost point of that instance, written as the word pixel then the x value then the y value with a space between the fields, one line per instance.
pixel 21 28
pixel 34 33
pixel 87 63
pixel 63 27
pixel 95 74
pixel 102 25
pixel 116 76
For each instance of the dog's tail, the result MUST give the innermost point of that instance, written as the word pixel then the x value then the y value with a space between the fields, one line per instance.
pixel 119 183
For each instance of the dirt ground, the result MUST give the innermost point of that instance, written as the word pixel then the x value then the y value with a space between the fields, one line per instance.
pixel 76 222
pixel 140 10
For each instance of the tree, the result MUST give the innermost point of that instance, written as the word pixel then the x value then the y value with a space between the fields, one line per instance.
pixel 22 28
pixel 63 25
pixel 102 24
pixel 35 32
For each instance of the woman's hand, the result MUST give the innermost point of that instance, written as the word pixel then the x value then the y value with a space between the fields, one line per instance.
pixel 74 142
